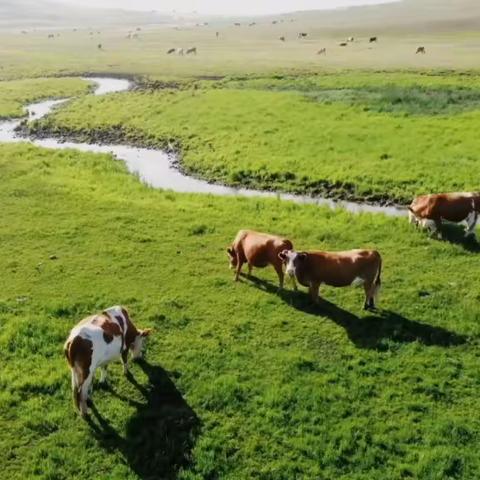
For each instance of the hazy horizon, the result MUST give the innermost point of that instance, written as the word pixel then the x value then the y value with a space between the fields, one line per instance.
pixel 218 7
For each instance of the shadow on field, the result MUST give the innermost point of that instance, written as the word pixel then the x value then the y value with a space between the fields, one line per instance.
pixel 371 330
pixel 456 235
pixel 160 435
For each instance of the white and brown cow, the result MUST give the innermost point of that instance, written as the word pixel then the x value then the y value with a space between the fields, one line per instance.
pixel 257 250
pixel 428 211
pixel 337 269
pixel 95 342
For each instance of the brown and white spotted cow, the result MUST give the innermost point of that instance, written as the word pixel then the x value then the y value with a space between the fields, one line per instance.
pixel 337 269
pixel 257 250
pixel 95 342
pixel 428 211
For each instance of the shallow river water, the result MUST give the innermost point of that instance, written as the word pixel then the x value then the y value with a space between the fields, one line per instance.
pixel 156 167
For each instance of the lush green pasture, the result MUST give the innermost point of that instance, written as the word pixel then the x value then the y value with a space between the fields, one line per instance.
pixel 240 382
pixel 15 94
pixel 376 136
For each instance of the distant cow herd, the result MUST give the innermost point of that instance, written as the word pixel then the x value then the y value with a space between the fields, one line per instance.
pixel 181 51
pixel 101 338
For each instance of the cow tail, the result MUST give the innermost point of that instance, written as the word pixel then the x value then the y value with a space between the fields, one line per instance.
pixel 77 374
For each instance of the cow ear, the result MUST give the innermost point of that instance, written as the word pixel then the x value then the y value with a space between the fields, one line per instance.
pixel 302 256
pixel 146 332
pixel 282 255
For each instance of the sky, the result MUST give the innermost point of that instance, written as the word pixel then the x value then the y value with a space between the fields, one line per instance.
pixel 223 7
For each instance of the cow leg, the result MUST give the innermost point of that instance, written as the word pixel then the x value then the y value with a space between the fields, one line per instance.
pixel 279 269
pixel 471 224
pixel 83 394
pixel 313 291
pixel 434 226
pixel 238 270
pixel 294 284
pixel 75 390
pixel 250 268
pixel 438 227
pixel 125 361
pixel 369 295
pixel 103 374
pixel 412 219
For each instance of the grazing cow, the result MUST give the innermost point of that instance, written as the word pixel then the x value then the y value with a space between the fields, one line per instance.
pixel 274 22
pixel 322 51
pixel 51 35
pixel 95 342
pixel 343 44
pixel 170 51
pixel 217 34
pixel 350 39
pixel 192 51
pixel 237 24
pixel 302 35
pixel 337 269
pixel 373 39
pixel 257 250
pixel 420 50
pixel 428 211
pixel 282 39
pixel 99 46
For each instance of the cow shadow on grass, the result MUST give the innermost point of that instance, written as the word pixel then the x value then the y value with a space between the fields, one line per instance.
pixel 371 331
pixel 455 234
pixel 160 435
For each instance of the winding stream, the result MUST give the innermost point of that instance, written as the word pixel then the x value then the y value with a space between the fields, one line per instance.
pixel 156 167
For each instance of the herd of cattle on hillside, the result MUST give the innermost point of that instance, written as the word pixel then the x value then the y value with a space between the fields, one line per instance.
pixel 101 338
pixel 181 51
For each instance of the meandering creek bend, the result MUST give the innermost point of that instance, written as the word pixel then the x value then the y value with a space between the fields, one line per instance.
pixel 156 167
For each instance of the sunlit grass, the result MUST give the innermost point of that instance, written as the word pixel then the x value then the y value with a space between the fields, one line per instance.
pixel 240 382
pixel 386 143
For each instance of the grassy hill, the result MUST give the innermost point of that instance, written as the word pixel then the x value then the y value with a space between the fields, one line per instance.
pixel 44 13
pixel 407 15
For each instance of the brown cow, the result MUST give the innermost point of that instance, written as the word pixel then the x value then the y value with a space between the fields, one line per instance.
pixel 95 342
pixel 337 269
pixel 421 50
pixel 428 211
pixel 257 250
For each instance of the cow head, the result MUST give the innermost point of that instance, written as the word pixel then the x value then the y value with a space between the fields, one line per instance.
pixel 232 256
pixel 139 342
pixel 292 260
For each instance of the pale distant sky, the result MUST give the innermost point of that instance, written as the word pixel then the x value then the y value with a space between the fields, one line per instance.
pixel 224 7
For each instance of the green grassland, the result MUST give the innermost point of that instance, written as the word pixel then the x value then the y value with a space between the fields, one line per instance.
pixel 240 381
pixel 238 50
pixel 372 136
pixel 15 94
